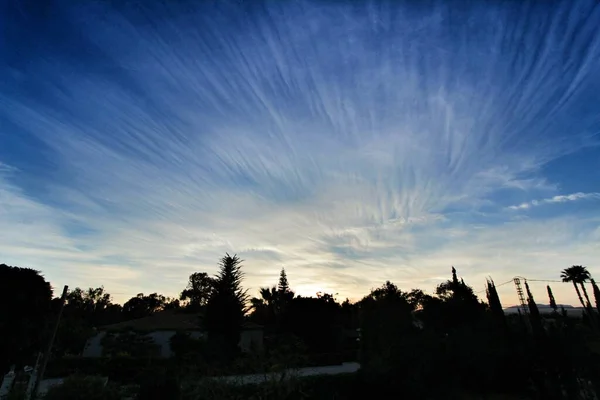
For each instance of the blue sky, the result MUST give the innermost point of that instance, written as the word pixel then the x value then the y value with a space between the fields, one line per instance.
pixel 350 142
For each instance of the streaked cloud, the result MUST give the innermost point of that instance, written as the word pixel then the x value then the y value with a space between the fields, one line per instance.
pixel 557 199
pixel 387 145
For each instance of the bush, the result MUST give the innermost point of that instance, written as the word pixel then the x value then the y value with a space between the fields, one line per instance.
pixel 325 387
pixel 159 385
pixel 118 369
pixel 186 348
pixel 80 387
pixel 132 343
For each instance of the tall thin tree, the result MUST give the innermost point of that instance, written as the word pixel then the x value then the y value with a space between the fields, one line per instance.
pixel 552 301
pixel 596 294
pixel 534 313
pixel 454 277
pixel 494 300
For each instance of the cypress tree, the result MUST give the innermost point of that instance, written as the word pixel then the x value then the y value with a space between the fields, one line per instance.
pixel 552 301
pixel 534 313
pixel 494 299
pixel 454 278
pixel 596 294
pixel 495 304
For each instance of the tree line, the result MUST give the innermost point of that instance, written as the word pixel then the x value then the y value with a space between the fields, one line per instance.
pixel 403 339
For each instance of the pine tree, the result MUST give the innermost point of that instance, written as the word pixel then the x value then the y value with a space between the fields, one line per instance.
pixel 283 286
pixel 284 294
pixel 552 301
pixel 226 307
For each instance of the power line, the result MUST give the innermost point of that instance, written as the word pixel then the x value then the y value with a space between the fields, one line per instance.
pixel 528 280
pixel 501 284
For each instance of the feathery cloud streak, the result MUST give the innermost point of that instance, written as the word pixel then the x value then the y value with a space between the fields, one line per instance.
pixel 557 199
pixel 143 143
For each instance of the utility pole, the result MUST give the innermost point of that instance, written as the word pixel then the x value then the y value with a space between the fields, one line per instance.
pixel 40 376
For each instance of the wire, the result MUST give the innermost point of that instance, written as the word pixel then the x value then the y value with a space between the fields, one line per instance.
pixel 528 280
pixel 501 284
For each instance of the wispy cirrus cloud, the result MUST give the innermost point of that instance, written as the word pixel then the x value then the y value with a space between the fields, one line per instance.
pixel 382 147
pixel 557 199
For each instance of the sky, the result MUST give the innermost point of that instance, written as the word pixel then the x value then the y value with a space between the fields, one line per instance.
pixel 349 142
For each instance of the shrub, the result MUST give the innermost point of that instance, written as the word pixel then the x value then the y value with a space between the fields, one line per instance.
pixel 159 385
pixel 187 348
pixel 132 343
pixel 80 387
pixel 117 369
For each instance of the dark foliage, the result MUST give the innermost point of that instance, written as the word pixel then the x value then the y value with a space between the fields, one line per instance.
pixel 315 321
pixel 577 275
pixel 226 308
pixel 83 310
pixel 159 384
pixel 83 388
pixel 412 345
pixel 24 314
pixel 534 313
pixel 198 291
pixel 596 295
pixel 129 344
pixel 188 349
pixel 551 299
pixel 121 369
pixel 144 306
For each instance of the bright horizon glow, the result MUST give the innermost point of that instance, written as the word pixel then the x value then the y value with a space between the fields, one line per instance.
pixel 349 143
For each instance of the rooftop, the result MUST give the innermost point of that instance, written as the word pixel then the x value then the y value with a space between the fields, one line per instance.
pixel 171 320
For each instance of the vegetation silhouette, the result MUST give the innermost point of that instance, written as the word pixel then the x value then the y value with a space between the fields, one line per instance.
pixel 577 275
pixel 409 344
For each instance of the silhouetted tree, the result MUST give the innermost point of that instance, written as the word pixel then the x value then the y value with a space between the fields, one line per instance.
pixel 283 286
pixel 534 312
pixel 172 304
pixel 386 327
pixel 596 294
pixel 83 310
pixel 577 274
pixel 94 306
pixel 316 321
pixel 284 294
pixel 416 298
pixel 459 302
pixel 23 314
pixel 552 301
pixel 494 302
pixel 143 306
pixel 226 307
pixel 198 291
pixel 263 307
pixel 268 309
pixel 386 291
pixel 454 277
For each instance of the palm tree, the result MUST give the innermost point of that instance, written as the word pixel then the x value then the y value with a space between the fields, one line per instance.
pixel 577 274
pixel 268 295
